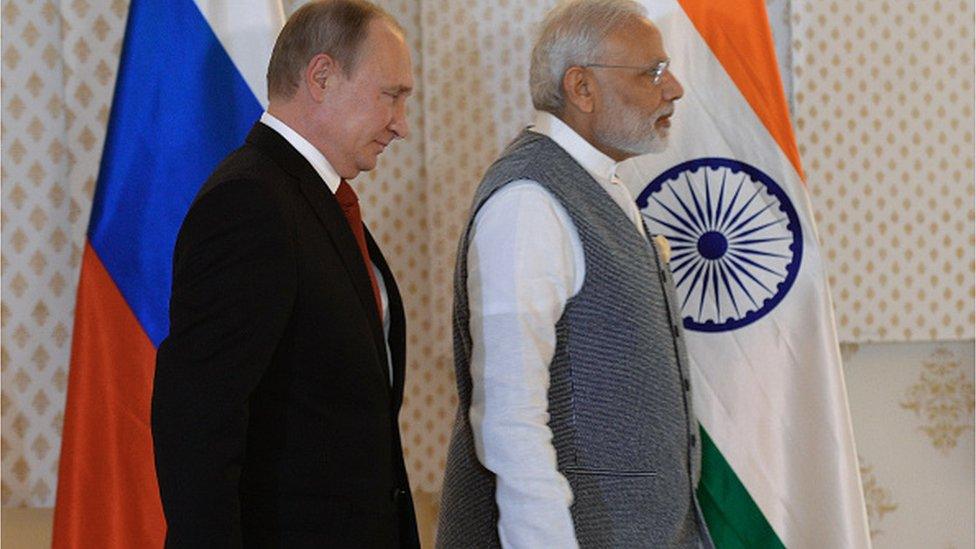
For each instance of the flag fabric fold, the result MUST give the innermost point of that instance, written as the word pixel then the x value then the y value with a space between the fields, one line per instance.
pixel 189 86
pixel 779 466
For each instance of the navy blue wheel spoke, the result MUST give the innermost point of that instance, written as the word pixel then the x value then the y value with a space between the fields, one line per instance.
pixel 759 228
pixel 752 251
pixel 737 242
pixel 746 272
pixel 735 198
pixel 748 220
pixel 674 228
pixel 741 285
pixel 704 292
pixel 742 210
pixel 754 264
pixel 708 201
pixel 681 256
pixel 694 199
pixel 728 287
pixel 718 302
pixel 694 282
pixel 684 207
pixel 683 221
pixel 721 196
pixel 685 265
pixel 677 238
pixel 678 247
pixel 678 266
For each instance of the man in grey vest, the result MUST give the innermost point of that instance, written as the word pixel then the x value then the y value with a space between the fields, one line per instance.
pixel 574 424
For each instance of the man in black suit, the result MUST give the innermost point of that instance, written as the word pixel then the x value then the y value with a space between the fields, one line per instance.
pixel 276 394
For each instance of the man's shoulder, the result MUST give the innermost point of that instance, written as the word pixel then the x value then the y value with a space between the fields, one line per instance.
pixel 246 164
pixel 530 155
pixel 521 151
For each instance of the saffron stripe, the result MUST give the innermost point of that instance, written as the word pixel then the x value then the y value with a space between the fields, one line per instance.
pixel 739 36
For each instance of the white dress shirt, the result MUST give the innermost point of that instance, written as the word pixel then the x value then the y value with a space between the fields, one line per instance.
pixel 525 261
pixel 332 180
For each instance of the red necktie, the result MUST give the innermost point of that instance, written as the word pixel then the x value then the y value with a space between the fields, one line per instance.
pixel 349 203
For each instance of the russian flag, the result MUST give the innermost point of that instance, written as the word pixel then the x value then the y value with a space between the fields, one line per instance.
pixel 190 85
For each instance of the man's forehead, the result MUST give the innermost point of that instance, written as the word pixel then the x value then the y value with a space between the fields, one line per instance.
pixel 381 33
pixel 386 51
pixel 636 38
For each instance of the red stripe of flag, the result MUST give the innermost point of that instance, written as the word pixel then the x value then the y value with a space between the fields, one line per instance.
pixel 108 471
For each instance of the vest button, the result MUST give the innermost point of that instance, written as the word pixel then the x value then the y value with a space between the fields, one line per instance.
pixel 694 440
pixel 398 495
pixel 687 384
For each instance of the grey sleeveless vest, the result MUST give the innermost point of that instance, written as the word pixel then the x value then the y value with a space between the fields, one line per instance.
pixel 619 401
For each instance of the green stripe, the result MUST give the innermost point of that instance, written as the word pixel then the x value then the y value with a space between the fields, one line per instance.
pixel 734 520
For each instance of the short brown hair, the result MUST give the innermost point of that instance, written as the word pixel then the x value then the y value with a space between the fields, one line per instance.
pixel 334 27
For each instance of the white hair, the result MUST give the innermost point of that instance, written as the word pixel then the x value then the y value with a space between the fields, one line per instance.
pixel 572 34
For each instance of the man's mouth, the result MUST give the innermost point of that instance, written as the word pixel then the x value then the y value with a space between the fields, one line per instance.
pixel 664 121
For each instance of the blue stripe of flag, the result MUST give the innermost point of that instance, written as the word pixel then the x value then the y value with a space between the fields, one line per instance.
pixel 180 106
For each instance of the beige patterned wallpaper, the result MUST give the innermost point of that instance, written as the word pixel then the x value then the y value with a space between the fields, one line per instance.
pixel 58 71
pixel 882 93
pixel 884 121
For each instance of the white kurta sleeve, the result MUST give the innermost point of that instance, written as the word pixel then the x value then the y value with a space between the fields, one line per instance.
pixel 525 261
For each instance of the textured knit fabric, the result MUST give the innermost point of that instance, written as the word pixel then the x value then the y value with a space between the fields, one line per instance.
pixel 619 405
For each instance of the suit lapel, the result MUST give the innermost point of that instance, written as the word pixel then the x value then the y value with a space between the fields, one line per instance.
pixel 398 338
pixel 330 214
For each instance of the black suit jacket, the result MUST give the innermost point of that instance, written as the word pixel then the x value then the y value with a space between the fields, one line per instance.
pixel 273 417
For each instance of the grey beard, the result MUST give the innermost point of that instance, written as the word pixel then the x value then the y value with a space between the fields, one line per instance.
pixel 632 134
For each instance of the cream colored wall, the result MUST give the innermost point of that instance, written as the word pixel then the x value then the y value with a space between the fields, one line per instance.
pixel 912 407
pixel 59 61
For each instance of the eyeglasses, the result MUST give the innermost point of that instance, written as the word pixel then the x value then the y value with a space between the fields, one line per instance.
pixel 656 72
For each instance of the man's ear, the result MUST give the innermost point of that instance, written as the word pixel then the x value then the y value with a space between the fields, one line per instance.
pixel 579 88
pixel 321 74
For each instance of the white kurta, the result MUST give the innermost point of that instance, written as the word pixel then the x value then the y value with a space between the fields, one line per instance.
pixel 525 261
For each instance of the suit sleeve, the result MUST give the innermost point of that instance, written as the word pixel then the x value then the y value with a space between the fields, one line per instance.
pixel 234 285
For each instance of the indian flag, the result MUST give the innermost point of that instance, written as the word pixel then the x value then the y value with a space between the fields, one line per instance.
pixel 778 461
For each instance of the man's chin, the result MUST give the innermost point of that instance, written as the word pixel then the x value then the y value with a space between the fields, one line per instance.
pixel 659 144
pixel 367 164
pixel 654 146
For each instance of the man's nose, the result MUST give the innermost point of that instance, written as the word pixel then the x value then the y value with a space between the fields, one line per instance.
pixel 399 124
pixel 671 87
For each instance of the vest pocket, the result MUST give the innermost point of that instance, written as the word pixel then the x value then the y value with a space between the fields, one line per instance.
pixel 590 471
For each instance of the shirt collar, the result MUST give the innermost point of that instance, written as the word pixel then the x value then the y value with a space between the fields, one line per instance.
pixel 600 166
pixel 306 149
